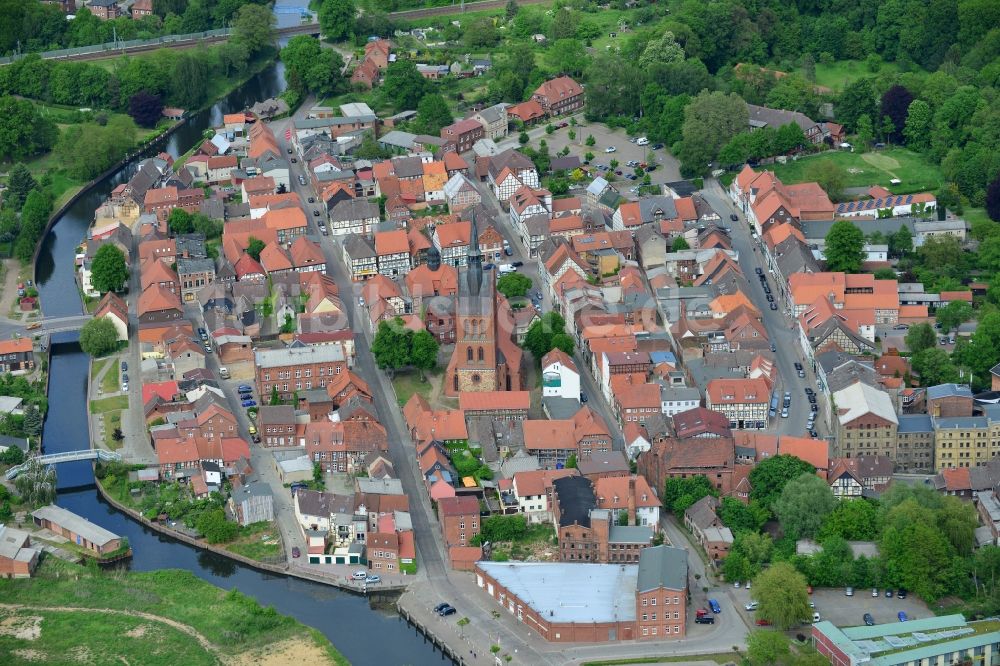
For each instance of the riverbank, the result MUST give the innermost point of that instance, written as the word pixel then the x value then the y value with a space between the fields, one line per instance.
pixel 296 571
pixel 166 617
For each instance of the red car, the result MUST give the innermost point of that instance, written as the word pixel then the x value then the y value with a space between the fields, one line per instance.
pixel 763 623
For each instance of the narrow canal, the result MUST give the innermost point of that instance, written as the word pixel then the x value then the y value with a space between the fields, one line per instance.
pixel 364 632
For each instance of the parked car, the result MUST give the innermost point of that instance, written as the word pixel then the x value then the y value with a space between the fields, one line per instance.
pixel 610 149
pixel 296 552
pixel 488 267
pixel 752 606
pixel 517 264
pixel 441 606
pixel 312 199
pixel 252 429
pixel 208 348
pixel 704 619
pixel 124 366
pixel 849 592
pixel 203 334
pixel 816 617
pixel 798 366
pixel 248 403
pixel 714 605
pixel 902 616
pixel 373 578
pixel 657 146
pixel 774 306
pixel 869 620
pixel 759 270
pixel 446 611
pixel 732 216
pixel 770 298
pixel 243 388
pixel 315 213
pixel 875 592
pixel 583 397
pixel 888 594
pixel 901 594
pixel 761 622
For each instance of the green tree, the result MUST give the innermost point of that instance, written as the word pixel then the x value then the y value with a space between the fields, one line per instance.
pixel 36 484
pixel 337 18
pixel 514 285
pixel 661 51
pixel 32 420
pixel 934 367
pixel 901 242
pixel 957 521
pixel 851 519
pixel 19 183
pixel 433 114
pixel 782 597
pixel 254 247
pixel 919 121
pixel 98 337
pixel 511 10
pixel 567 55
pixel 746 559
pixel 710 120
pixel 830 176
pixel 23 131
pixel 212 524
pixel 857 100
pixel 590 141
pixel 563 25
pixel 768 479
pixel 523 138
pixel 916 555
pixel 424 351
pixel 766 647
pixel 253 28
pixel 275 397
pixel 563 342
pixel 180 222
pixel 679 494
pixel 539 338
pixel 312 68
pixel 803 505
pixel 954 314
pixel 920 337
pixel 403 86
pixel 109 270
pixel 392 343
pixel 571 461
pixel 679 244
pixel 480 33
pixel 740 517
pixel 844 247
pixel 865 131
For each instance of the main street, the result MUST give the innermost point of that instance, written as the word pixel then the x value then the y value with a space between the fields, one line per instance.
pixel 781 327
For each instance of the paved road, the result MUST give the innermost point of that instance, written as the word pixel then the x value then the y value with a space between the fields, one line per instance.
pixel 49 325
pixel 781 327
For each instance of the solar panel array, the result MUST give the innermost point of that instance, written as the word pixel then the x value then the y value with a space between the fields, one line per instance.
pixel 870 204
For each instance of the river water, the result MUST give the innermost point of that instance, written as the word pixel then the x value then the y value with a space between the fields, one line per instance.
pixel 364 633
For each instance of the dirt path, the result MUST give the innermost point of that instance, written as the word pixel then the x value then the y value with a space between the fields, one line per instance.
pixel 190 631
pixel 8 292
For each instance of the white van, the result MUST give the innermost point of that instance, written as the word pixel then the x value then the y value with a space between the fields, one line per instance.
pixel 642 141
pixel 504 269
pixel 224 372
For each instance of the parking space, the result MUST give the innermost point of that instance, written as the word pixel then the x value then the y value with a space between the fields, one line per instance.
pixel 667 168
pixel 844 611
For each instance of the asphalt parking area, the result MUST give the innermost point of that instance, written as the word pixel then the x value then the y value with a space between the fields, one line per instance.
pixel 844 611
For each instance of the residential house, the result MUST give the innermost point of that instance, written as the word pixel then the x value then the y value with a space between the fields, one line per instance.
pixel 297 367
pixel 494 120
pixel 463 134
pixel 703 521
pixel 744 402
pixel 354 216
pixel 360 257
pixel 866 422
pixel 452 241
pixel 392 250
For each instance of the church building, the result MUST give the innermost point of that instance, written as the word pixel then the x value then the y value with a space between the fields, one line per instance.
pixel 485 357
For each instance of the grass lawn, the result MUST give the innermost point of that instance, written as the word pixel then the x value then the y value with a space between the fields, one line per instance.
pixel 118 402
pixel 98 638
pixel 231 622
pixel 109 383
pixel 408 383
pixel 260 541
pixel 111 421
pixel 96 367
pixel 876 168
pixel 840 74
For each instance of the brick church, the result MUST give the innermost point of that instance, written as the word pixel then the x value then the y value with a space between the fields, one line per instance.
pixel 485 357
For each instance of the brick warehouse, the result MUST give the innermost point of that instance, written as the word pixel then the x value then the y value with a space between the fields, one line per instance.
pixel 594 603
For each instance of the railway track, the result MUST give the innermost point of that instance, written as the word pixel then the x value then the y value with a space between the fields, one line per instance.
pixel 458 9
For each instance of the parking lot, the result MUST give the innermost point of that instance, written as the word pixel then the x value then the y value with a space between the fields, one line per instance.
pixel 844 611
pixel 667 167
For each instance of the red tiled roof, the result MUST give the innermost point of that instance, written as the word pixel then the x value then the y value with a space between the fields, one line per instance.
pixel 481 401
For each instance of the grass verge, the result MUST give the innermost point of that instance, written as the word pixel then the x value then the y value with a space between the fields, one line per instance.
pixel 225 619
pixel 118 402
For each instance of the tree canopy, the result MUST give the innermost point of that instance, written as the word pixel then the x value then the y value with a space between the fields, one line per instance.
pixel 843 250
pixel 514 285
pixel 803 505
pixel 546 334
pixel 98 337
pixel 109 270
pixel 769 477
pixel 782 597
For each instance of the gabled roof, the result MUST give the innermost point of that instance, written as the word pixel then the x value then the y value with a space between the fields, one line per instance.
pixel 157 298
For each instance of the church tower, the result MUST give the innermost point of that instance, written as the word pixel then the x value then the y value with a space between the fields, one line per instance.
pixel 473 365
